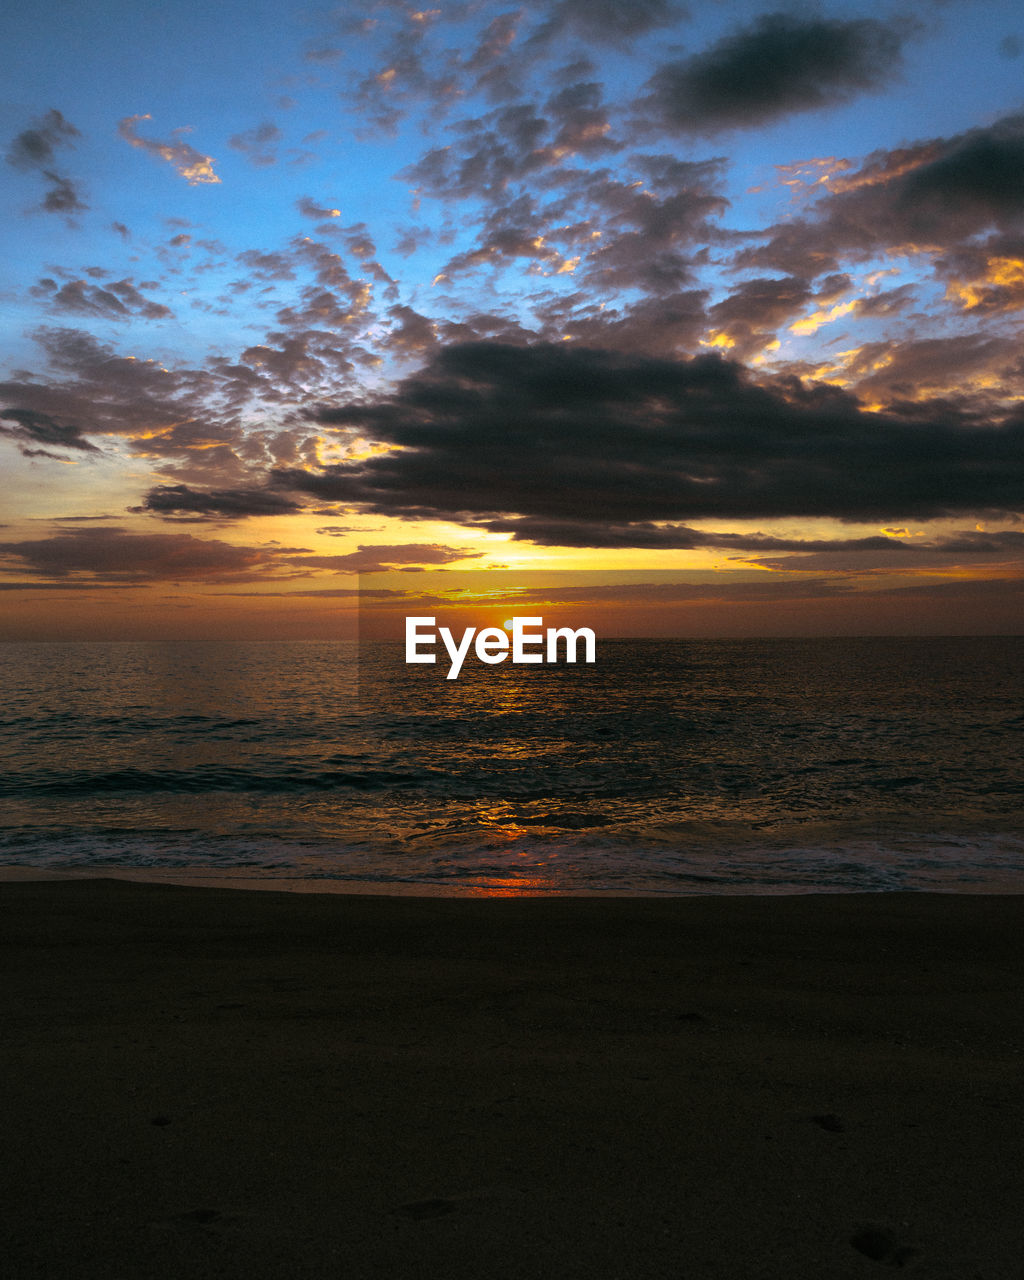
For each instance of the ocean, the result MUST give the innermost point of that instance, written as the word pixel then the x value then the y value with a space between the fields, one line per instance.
pixel 666 767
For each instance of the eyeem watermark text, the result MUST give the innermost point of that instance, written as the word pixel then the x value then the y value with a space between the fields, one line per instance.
pixel 493 644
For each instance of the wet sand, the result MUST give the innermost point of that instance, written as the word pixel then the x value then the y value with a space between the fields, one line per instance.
pixel 209 1082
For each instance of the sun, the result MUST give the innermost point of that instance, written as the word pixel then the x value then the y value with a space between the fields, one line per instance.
pixel 507 624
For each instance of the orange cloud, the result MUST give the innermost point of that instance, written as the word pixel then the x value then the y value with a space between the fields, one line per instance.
pixel 193 166
pixel 999 288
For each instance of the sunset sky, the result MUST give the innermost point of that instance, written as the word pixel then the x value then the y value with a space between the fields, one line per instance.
pixel 298 292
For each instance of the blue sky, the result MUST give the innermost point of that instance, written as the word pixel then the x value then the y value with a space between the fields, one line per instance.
pixel 293 291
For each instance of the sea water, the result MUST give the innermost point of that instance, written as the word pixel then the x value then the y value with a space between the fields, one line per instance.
pixel 665 767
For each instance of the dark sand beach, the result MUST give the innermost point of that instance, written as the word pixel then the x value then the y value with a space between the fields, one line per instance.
pixel 206 1082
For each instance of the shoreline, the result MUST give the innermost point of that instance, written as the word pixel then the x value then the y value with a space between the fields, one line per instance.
pixel 240 1084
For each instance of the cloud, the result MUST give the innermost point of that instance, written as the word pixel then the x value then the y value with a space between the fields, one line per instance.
pixel 606 229
pixel 932 196
pixel 108 393
pixel 377 559
pixel 428 60
pixel 747 320
pixel 491 152
pixel 410 331
pixel 27 426
pixel 63 196
pixel 310 209
pixel 119 300
pixel 257 145
pixel 199 419
pixel 268 266
pixel 987 277
pixel 191 164
pixel 891 371
pixel 512 438
pixel 110 555
pixel 950 550
pixel 780 65
pixel 662 326
pixel 615 22
pixel 35 149
pixel 677 537
pixel 59 586
pixel 175 500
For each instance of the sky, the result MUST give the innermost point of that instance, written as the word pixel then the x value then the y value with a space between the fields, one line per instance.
pixel 295 296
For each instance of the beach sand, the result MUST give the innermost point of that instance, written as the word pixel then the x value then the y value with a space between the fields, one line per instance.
pixel 210 1082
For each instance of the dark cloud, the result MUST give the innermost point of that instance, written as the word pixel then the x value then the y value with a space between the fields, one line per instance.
pixel 174 500
pixel 105 519
pixel 411 72
pixel 258 145
pixel 779 65
pixel 749 317
pixel 944 552
pixel 410 331
pixel 614 22
pixel 268 266
pixel 63 196
pixel 291 361
pixel 889 302
pixel 417 62
pixel 35 150
pixel 674 537
pixel 119 300
pixel 28 426
pixel 892 371
pixel 642 233
pixel 661 326
pixel 107 393
pixel 515 142
pixel 598 227
pixel 491 151
pixel 111 555
pixel 932 196
pixel 377 559
pixel 310 209
pixel 59 586
pixel 513 437
pixel 985 277
pixel 200 420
